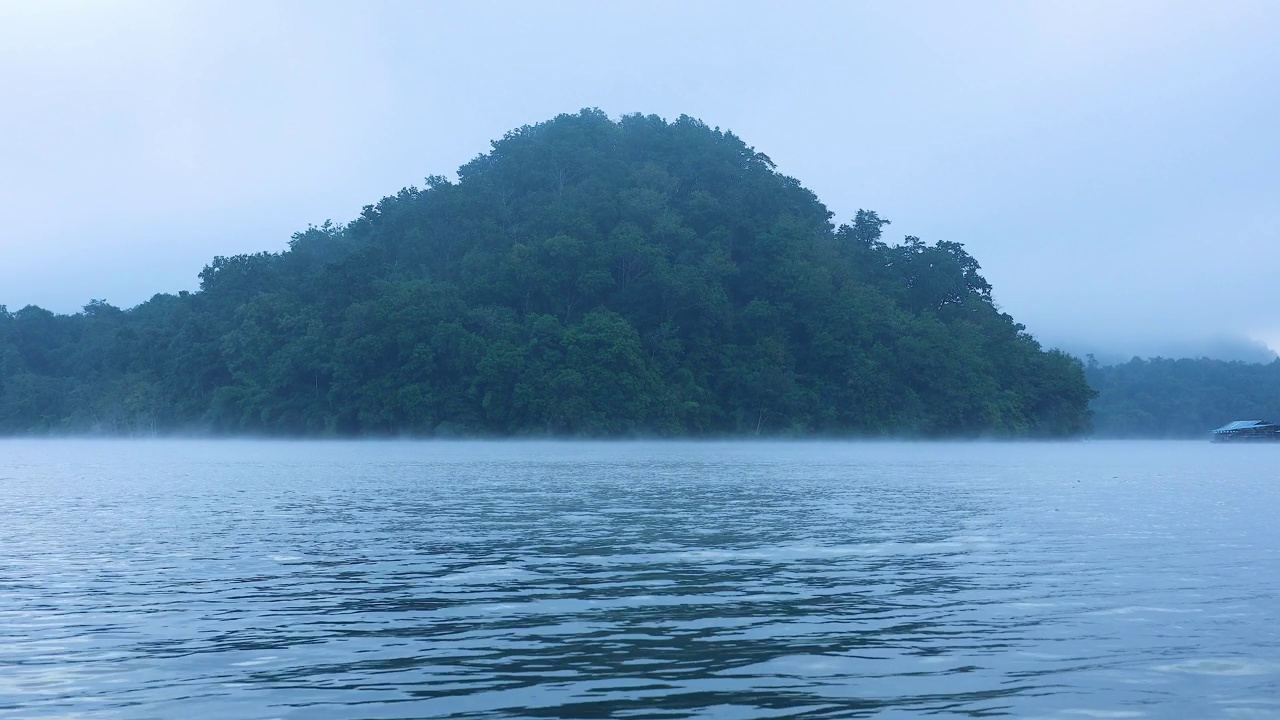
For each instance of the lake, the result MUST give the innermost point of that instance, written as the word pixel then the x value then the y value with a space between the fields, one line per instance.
pixel 237 579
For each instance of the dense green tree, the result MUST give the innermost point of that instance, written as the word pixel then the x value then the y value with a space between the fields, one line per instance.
pixel 584 277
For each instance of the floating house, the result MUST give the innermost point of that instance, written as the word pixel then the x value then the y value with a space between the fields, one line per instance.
pixel 1246 430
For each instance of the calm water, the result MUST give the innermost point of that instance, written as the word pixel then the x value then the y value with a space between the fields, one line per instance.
pixel 646 580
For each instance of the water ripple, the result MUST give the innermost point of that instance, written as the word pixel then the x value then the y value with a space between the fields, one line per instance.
pixel 637 580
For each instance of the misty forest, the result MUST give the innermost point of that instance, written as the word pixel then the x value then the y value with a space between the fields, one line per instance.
pixel 1182 398
pixel 586 277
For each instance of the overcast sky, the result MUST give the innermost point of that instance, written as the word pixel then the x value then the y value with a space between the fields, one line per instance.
pixel 1114 166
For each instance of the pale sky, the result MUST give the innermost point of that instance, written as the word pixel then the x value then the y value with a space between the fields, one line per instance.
pixel 1114 166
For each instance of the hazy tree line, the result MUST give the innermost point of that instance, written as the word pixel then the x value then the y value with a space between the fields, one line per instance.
pixel 585 277
pixel 1181 398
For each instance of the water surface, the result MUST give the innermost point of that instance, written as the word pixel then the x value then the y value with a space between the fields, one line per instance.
pixel 638 580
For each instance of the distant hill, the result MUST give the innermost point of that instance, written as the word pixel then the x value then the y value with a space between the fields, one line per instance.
pixel 584 277
pixel 1166 398
pixel 1238 348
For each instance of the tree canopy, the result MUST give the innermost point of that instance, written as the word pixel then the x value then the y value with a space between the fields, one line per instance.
pixel 584 277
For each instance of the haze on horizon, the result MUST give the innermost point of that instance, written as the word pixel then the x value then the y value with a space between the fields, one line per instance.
pixel 1112 166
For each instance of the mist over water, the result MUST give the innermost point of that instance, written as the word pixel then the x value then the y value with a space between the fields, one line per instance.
pixel 659 580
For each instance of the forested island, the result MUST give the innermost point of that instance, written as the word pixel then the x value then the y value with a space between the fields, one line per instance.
pixel 1182 398
pixel 586 277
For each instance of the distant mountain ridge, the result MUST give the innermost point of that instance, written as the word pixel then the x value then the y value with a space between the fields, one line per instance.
pixel 1225 348
pixel 585 277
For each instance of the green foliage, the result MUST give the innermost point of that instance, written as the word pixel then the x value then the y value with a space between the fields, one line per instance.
pixel 584 277
pixel 1185 398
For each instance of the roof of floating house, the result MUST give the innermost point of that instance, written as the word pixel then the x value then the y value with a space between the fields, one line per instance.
pixel 1245 425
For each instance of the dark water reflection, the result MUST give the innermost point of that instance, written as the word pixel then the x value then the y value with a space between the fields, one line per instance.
pixel 278 580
